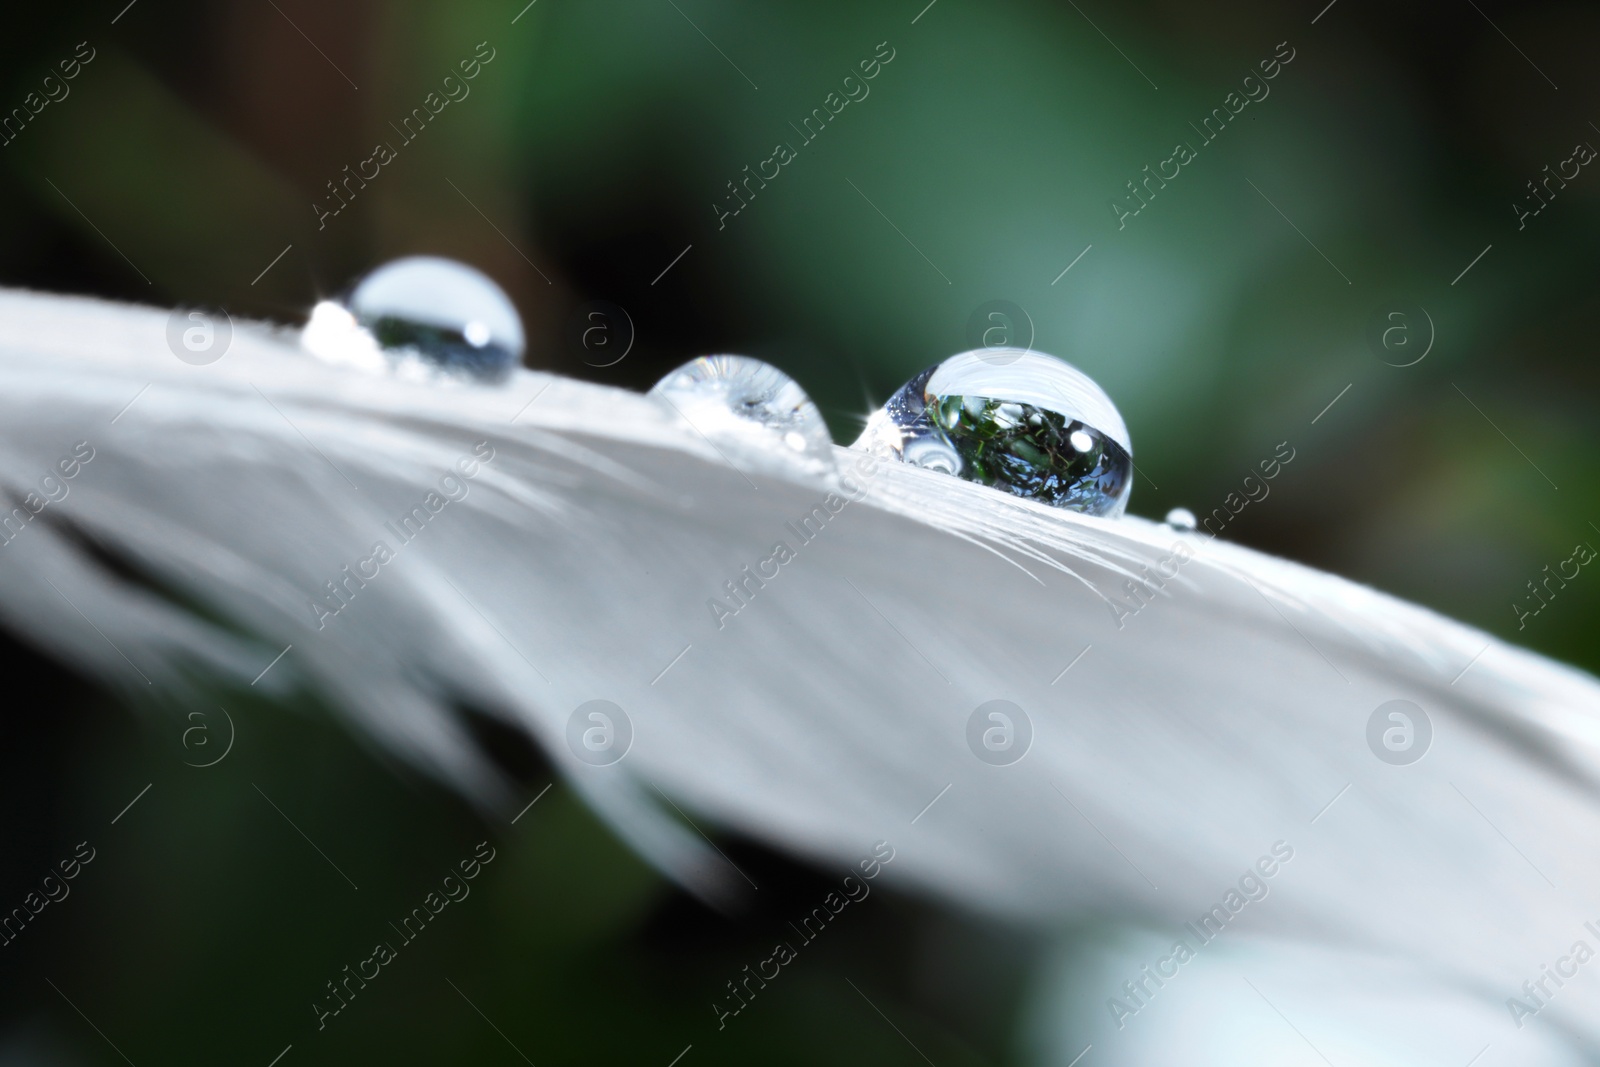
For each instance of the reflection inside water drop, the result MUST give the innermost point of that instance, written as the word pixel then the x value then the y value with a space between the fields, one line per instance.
pixel 1028 424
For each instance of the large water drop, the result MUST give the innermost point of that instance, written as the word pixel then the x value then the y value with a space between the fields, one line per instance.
pixel 1015 420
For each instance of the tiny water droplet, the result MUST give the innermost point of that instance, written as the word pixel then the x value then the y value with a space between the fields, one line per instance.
pixel 1029 424
pixel 1181 519
pixel 711 388
pixel 445 313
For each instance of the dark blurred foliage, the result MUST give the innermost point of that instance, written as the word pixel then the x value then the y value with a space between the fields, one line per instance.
pixel 587 156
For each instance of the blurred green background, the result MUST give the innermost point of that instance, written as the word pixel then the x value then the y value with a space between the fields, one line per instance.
pixel 583 166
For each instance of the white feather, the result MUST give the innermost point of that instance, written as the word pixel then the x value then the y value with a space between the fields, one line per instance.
pixel 831 709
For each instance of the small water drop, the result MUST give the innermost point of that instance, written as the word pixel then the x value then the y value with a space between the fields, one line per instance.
pixel 709 390
pixel 445 313
pixel 1181 519
pixel 1028 424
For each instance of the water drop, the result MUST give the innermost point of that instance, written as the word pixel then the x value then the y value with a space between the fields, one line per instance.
pixel 1016 420
pixel 722 393
pixel 442 312
pixel 1181 519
